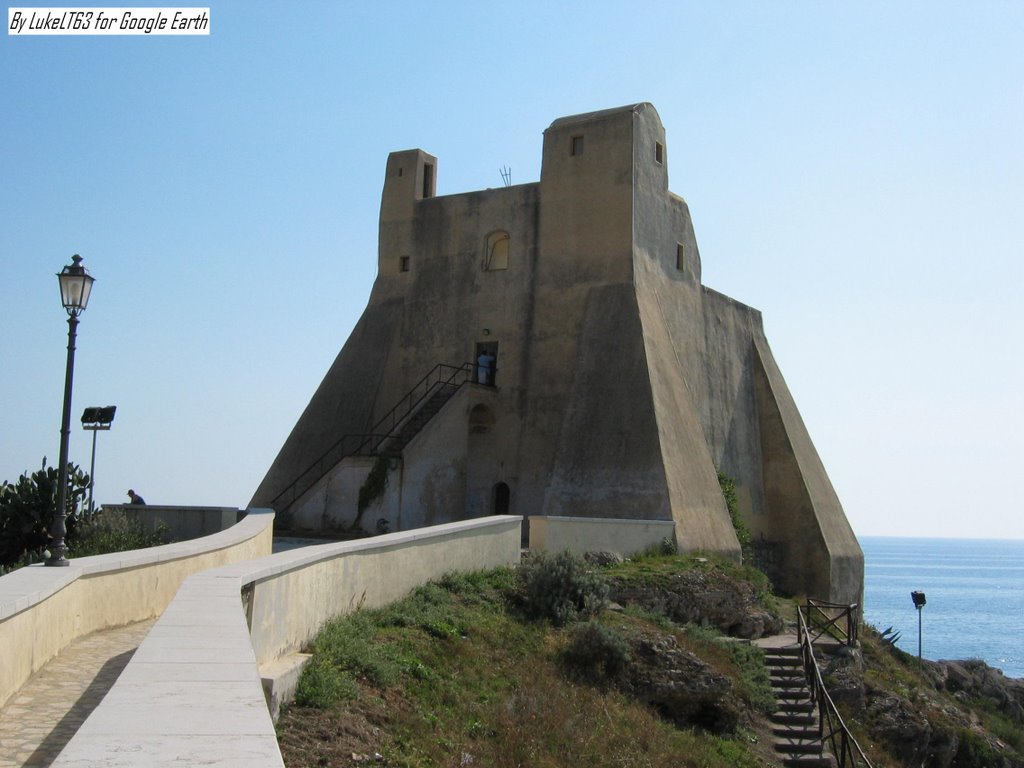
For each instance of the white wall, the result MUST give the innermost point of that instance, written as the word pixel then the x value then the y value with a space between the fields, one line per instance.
pixel 592 534
pixel 191 695
pixel 42 610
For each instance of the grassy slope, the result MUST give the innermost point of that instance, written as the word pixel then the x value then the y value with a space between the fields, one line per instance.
pixel 455 675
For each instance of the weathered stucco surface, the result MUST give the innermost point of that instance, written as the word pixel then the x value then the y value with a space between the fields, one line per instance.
pixel 623 384
pixel 42 610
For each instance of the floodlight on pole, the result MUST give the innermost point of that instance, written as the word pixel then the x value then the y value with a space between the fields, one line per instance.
pixel 96 419
pixel 919 603
pixel 75 288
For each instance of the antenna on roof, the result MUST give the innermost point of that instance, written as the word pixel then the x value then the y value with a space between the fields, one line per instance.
pixel 506 175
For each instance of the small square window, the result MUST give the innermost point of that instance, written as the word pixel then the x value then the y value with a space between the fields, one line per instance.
pixel 399 171
pixel 576 148
pixel 659 152
pixel 403 264
pixel 680 256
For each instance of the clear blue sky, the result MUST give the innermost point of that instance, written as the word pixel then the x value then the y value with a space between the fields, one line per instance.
pixel 855 171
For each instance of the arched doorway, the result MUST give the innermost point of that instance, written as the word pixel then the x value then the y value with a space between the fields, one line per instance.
pixel 500 498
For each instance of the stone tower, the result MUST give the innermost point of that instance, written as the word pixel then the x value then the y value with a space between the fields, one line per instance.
pixel 621 385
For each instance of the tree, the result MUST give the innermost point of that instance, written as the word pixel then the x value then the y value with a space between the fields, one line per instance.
pixel 27 506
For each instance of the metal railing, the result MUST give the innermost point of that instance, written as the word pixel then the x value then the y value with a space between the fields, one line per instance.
pixel 831 728
pixel 441 377
pixel 837 620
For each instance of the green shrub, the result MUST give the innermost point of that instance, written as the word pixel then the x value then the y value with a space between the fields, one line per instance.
pixel 665 548
pixel 748 663
pixel 998 724
pixel 728 486
pixel 560 588
pixel 26 513
pixel 375 484
pixel 322 685
pixel 113 531
pixel 703 634
pixel 596 651
pixel 973 749
pixel 479 584
pixel 755 684
pixel 347 644
pixel 426 608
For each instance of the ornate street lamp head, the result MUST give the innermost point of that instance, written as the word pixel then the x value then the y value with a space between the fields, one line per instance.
pixel 75 286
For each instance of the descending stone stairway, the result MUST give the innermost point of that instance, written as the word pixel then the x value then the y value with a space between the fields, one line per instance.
pixel 795 722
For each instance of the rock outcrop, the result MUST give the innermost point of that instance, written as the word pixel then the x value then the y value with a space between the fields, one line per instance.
pixel 933 724
pixel 680 685
pixel 974 679
pixel 708 598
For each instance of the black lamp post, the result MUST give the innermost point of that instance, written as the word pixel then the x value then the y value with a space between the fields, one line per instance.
pixel 919 602
pixel 75 287
pixel 93 420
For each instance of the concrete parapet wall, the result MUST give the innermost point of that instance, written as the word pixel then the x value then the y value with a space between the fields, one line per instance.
pixel 42 609
pixel 191 694
pixel 182 523
pixel 591 534
pixel 295 593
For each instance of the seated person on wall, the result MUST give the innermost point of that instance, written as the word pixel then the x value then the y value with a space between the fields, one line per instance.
pixel 134 498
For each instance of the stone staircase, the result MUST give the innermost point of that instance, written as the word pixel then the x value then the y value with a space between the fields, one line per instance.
pixel 393 446
pixel 389 435
pixel 795 722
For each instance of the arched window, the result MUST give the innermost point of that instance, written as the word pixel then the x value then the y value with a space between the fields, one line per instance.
pixel 481 419
pixel 496 251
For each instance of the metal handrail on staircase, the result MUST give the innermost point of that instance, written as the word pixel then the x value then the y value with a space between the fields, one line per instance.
pixel 441 376
pixel 837 620
pixel 845 749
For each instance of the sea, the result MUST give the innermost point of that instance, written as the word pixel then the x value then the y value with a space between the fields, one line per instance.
pixel 974 597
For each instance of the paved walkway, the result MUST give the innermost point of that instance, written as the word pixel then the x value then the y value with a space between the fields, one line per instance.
pixel 39 720
pixel 771 642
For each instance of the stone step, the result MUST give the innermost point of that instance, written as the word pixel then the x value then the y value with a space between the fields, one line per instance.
pixel 396 445
pixel 787 652
pixel 783 662
pixel 773 659
pixel 794 718
pixel 785 699
pixel 788 681
pixel 792 694
pixel 796 705
pixel 802 747
pixel 786 673
pixel 784 666
pixel 823 760
pixel 783 653
pixel 796 732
